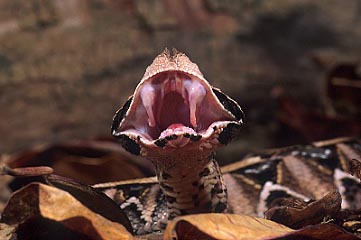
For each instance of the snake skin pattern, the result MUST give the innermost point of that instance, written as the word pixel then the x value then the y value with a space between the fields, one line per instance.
pixel 303 172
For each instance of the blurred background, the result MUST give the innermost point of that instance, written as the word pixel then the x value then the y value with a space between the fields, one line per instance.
pixel 66 66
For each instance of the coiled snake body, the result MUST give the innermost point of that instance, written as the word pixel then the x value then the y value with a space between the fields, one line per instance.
pixel 177 120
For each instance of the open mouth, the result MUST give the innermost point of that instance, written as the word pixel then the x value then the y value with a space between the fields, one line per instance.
pixel 173 102
pixel 173 98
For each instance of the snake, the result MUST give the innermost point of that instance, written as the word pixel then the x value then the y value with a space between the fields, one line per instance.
pixel 176 120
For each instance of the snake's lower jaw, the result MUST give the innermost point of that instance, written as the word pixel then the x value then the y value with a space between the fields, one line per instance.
pixel 178 139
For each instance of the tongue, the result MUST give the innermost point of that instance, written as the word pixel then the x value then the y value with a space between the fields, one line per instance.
pixel 178 129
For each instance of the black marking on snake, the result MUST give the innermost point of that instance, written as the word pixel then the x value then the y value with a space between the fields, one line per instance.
pixel 119 115
pixel 205 172
pixel 129 144
pixel 186 135
pixel 195 138
pixel 161 142
pixel 352 189
pixel 229 104
pixel 171 137
pixel 220 207
pixel 217 188
pixel 228 133
pixel 262 172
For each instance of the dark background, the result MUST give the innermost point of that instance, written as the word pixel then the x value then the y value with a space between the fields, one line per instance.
pixel 67 65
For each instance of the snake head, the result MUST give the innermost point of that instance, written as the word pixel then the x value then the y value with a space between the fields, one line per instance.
pixel 174 107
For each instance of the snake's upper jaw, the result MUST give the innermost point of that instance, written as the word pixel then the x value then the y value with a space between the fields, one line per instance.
pixel 172 106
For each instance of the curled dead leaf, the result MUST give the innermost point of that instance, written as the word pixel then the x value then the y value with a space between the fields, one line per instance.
pixel 92 198
pixel 313 213
pixel 41 210
pixel 25 171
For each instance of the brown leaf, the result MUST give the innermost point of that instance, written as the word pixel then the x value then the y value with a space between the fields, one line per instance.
pixel 37 206
pixel 229 226
pixel 320 232
pixel 93 199
pixel 25 171
pixel 223 226
pixel 313 213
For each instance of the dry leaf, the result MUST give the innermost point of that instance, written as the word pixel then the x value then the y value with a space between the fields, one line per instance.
pixel 39 209
pixel 26 171
pixel 320 232
pixel 92 198
pixel 242 227
pixel 223 226
pixel 313 213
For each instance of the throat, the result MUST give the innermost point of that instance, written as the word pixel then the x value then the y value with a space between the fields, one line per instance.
pixel 200 189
